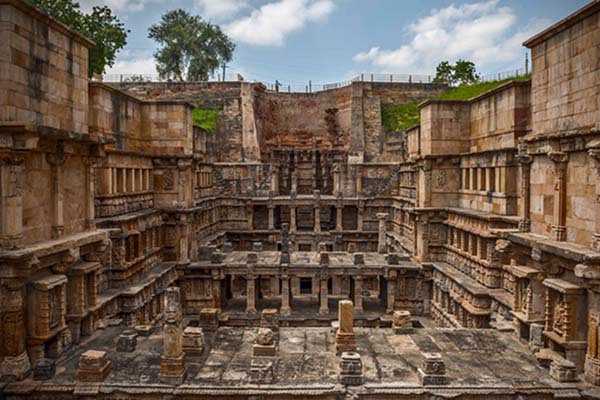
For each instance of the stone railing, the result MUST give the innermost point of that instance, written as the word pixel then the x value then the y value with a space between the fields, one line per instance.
pixel 108 205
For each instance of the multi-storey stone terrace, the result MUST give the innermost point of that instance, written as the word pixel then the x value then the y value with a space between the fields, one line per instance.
pixel 300 250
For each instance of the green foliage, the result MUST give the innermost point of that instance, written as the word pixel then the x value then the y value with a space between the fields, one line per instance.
pixel 399 117
pixel 443 73
pixel 100 25
pixel 191 48
pixel 465 73
pixel 205 118
pixel 461 73
pixel 469 91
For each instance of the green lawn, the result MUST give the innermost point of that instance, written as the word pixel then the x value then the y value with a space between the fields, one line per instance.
pixel 205 118
pixel 399 117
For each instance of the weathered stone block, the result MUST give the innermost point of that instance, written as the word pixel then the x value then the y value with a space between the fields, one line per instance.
pixel 44 369
pixel 359 259
pixel 402 322
pixel 562 370
pixel 433 370
pixel 261 371
pixel 193 340
pixel 351 369
pixel 94 366
pixel 127 341
pixel 209 319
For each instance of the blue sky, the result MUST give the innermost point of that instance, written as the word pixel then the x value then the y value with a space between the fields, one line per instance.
pixel 326 41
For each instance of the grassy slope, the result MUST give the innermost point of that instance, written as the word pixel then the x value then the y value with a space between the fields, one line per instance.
pixel 205 118
pixel 398 117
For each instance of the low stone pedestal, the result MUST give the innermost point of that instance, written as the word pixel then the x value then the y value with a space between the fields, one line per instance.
pixel 264 345
pixel 562 370
pixel 127 341
pixel 261 371
pixel 433 370
pixel 545 357
pixel 209 319
pixel 536 337
pixel 402 323
pixel 94 366
pixel 345 342
pixel 351 369
pixel 592 370
pixel 172 370
pixel 144 330
pixel 193 340
pixel 44 369
pixel 15 367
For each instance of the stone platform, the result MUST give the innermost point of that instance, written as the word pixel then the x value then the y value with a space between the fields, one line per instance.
pixel 477 361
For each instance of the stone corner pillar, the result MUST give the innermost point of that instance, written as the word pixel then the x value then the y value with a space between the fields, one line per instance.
pixel 381 246
pixel 559 229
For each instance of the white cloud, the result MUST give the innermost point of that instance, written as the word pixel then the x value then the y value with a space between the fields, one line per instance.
pixel 220 9
pixel 116 5
pixel 484 33
pixel 133 63
pixel 272 22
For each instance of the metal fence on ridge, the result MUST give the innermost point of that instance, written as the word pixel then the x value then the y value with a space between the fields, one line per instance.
pixel 311 87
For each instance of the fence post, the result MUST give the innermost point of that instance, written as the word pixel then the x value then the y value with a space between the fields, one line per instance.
pixel 371 78
pixel 391 78
pixel 409 78
pixel 289 89
pixel 362 77
pixel 121 78
pixel 309 86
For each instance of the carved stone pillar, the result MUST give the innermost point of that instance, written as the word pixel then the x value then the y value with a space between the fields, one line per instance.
pixel 293 217
pixel 524 190
pixel 294 181
pixel 216 289
pixel 391 292
pixel 90 177
pixel 57 161
pixel 172 365
pixel 275 180
pixel 286 309
pixel 358 300
pixel 324 296
pixel 11 200
pixel 559 229
pixel 339 210
pixel 271 209
pixel 13 355
pixel 361 216
pixel 249 216
pixel 592 358
pixel 381 246
pixel 251 294
pixel 317 210
pixel 595 155
pixel 359 172
pixel 336 180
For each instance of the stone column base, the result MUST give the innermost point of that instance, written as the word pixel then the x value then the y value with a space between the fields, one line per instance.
pixel 345 342
pixel 17 367
pixel 592 370
pixel 172 370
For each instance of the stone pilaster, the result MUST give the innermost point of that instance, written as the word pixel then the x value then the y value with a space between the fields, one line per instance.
pixel 249 216
pixel 172 365
pixel 57 161
pixel 317 210
pixel 90 178
pixel 559 229
pixel 359 173
pixel 391 291
pixel 14 361
pixel 358 288
pixel 271 210
pixel 251 284
pixel 595 155
pixel 361 216
pixel 524 190
pixel 285 295
pixel 11 200
pixel 381 245
pixel 339 212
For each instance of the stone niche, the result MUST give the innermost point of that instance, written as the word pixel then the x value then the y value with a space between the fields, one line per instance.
pixel 528 307
pixel 46 307
pixel 565 320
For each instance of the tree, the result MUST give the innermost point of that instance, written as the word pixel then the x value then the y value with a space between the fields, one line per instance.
pixel 461 73
pixel 443 73
pixel 101 26
pixel 191 48
pixel 465 73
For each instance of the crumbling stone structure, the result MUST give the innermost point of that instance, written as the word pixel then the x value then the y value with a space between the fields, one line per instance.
pixel 121 223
